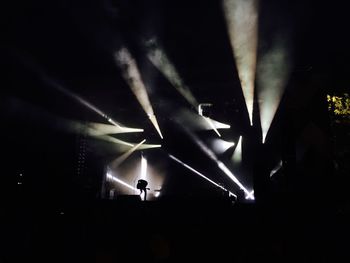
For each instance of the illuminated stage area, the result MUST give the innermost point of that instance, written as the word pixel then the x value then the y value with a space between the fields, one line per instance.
pixel 153 122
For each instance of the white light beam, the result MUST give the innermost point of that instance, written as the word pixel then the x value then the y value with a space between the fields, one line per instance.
pixel 132 76
pixel 242 23
pixel 200 174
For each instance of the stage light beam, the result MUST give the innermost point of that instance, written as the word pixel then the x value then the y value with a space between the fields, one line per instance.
pixel 87 104
pixel 143 174
pixel 132 76
pixel 121 142
pixel 117 180
pixel 214 158
pixel 102 129
pixel 220 146
pixel 200 174
pixel 161 61
pixel 237 154
pixel 272 76
pixel 223 167
pixel 242 24
pixel 115 163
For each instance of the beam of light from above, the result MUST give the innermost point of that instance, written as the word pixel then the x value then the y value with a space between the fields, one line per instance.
pixel 132 76
pixel 198 173
pixel 161 61
pixel 223 167
pixel 149 146
pixel 210 121
pixel 121 142
pixel 87 104
pixel 220 146
pixel 212 125
pixel 272 76
pixel 143 173
pixel 117 180
pixel 220 164
pixel 116 162
pixel 54 84
pixel 197 122
pixel 237 154
pixel 242 24
pixel 96 129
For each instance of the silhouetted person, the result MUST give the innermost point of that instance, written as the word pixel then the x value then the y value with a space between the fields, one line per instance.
pixel 142 185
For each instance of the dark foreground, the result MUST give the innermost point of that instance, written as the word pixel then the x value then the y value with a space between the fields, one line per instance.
pixel 174 230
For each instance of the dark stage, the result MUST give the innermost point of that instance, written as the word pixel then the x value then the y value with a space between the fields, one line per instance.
pixel 235 113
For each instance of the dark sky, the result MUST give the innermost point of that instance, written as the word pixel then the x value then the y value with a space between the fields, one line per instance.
pixel 73 43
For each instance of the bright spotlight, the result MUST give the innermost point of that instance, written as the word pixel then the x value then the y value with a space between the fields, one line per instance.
pixel 214 158
pixel 132 76
pixel 212 125
pixel 221 146
pixel 115 163
pixel 121 142
pixel 233 178
pixel 96 129
pixel 272 76
pixel 237 154
pixel 114 140
pixel 115 179
pixel 198 173
pixel 143 174
pixel 149 146
pixel 242 24
pixel 161 61
pixel 82 101
pixel 197 122
pixel 250 196
pixel 202 108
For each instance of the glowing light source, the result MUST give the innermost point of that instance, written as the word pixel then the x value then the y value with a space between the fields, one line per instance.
pixel 198 173
pixel 272 75
pixel 84 102
pixel 237 154
pixel 143 174
pixel 117 180
pixel 197 122
pixel 121 142
pixel 220 164
pixel 242 24
pixel 233 178
pixel 221 146
pixel 132 76
pixel 161 61
pixel 149 146
pixel 96 129
pixel 250 196
pixel 213 124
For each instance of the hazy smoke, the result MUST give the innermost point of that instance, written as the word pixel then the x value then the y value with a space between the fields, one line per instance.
pixel 272 76
pixel 160 60
pixel 242 23
pixel 132 76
